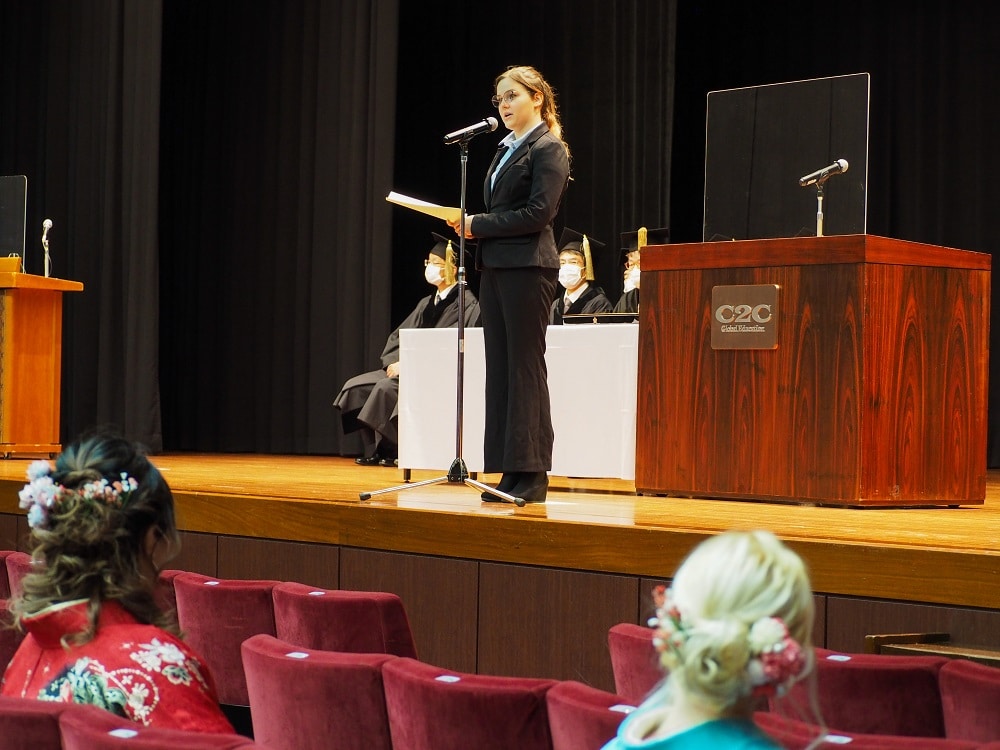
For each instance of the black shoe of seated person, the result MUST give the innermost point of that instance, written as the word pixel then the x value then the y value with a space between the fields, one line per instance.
pixel 506 483
pixel 372 460
pixel 532 487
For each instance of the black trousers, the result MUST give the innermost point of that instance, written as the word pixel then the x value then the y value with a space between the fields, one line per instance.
pixel 514 303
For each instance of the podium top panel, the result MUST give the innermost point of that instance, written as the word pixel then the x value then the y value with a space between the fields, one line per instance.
pixel 809 251
pixel 12 280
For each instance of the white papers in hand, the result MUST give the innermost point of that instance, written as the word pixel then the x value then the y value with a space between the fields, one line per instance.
pixel 448 213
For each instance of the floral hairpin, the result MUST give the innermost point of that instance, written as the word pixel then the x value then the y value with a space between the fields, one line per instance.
pixel 41 496
pixel 776 658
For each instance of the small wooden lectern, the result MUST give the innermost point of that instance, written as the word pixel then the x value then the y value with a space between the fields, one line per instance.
pixel 874 393
pixel 30 362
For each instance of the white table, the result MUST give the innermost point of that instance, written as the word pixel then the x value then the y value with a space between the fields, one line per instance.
pixel 592 386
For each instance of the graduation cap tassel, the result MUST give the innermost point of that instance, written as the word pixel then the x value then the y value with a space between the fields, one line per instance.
pixel 642 239
pixel 588 261
pixel 449 264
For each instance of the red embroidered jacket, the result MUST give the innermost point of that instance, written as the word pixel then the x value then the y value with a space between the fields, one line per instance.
pixel 137 671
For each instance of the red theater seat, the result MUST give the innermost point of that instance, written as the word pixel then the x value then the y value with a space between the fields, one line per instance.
pixel 358 621
pixel 91 728
pixel 304 699
pixel 436 709
pixel 633 661
pixel 581 716
pixel 799 735
pixel 970 699
pixel 872 694
pixel 4 580
pixel 216 616
pixel 10 639
pixel 18 566
pixel 28 724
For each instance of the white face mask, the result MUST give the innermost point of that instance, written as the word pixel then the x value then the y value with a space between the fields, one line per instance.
pixel 632 279
pixel 569 275
pixel 433 274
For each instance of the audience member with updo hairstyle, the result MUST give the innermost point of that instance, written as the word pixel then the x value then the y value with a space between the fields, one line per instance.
pixel 735 627
pixel 102 527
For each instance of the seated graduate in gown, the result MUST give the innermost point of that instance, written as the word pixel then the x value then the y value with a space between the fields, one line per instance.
pixel 369 402
pixel 632 244
pixel 576 275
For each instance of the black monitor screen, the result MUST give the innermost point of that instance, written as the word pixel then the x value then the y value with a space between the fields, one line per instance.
pixel 761 140
pixel 13 191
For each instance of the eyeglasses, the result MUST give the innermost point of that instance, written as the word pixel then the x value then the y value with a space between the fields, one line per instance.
pixel 505 98
pixel 439 263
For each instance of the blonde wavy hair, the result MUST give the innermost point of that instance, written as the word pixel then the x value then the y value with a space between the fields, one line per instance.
pixel 728 583
pixel 94 550
pixel 532 80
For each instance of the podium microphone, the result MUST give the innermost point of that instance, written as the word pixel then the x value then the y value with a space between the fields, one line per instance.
pixel 46 226
pixel 822 175
pixel 466 134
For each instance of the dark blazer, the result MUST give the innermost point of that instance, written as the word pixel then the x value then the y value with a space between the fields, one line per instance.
pixel 593 300
pixel 517 230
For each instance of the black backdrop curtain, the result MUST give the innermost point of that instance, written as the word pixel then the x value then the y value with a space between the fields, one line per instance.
pixel 79 115
pixel 282 125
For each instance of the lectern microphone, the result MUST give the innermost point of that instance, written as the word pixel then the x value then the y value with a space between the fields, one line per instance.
pixel 465 134
pixel 822 175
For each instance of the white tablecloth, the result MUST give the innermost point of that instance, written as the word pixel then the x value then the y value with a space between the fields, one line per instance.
pixel 592 386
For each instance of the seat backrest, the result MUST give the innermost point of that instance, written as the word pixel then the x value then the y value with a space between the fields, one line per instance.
pixel 793 734
pixel 92 728
pixel 302 698
pixel 166 597
pixel 18 565
pixel 435 709
pixel 871 694
pixel 970 700
pixel 331 620
pixel 634 661
pixel 28 724
pixel 10 639
pixel 581 716
pixel 216 616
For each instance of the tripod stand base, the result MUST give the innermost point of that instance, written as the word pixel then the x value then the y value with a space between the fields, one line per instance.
pixel 457 474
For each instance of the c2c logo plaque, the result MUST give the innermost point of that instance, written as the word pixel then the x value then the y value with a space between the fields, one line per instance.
pixel 745 316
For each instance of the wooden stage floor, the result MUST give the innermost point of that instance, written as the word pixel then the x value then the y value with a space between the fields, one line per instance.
pixel 932 555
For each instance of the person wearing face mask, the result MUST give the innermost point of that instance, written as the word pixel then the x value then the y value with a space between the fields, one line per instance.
pixel 632 244
pixel 368 402
pixel 576 274
pixel 518 259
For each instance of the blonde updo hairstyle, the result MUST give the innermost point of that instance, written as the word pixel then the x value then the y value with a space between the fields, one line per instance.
pixel 93 550
pixel 729 582
pixel 532 80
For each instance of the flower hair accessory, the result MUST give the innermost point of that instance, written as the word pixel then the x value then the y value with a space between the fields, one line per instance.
pixel 42 497
pixel 776 658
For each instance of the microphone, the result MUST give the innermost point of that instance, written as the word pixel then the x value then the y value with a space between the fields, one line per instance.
pixel 46 226
pixel 465 134
pixel 822 175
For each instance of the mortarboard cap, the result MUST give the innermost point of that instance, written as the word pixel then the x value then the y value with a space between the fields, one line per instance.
pixel 638 239
pixel 584 246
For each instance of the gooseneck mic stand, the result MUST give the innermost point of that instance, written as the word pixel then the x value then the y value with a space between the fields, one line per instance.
pixel 458 473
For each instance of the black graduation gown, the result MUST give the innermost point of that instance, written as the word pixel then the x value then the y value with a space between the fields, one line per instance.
pixel 371 399
pixel 591 301
pixel 629 302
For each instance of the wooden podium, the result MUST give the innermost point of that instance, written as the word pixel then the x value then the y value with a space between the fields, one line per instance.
pixel 874 395
pixel 30 362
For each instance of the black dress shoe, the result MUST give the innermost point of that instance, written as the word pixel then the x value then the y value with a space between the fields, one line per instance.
pixel 532 487
pixel 388 462
pixel 507 481
pixel 372 460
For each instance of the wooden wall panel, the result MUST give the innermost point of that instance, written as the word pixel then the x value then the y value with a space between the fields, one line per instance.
pixel 312 564
pixel 8 531
pixel 850 620
pixel 199 554
pixel 540 622
pixel 439 594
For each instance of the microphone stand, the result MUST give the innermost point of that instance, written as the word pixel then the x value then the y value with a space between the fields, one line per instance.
pixel 819 207
pixel 458 473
